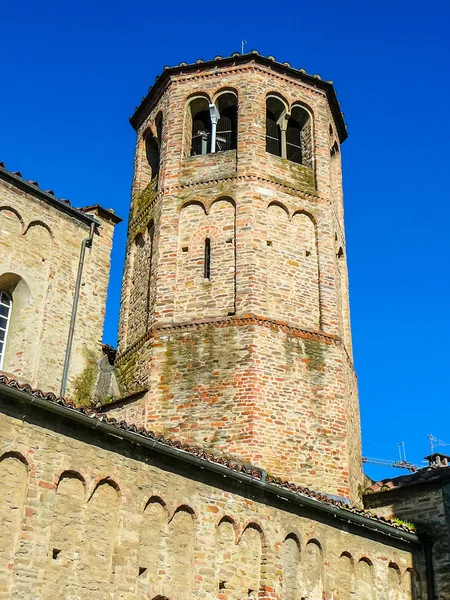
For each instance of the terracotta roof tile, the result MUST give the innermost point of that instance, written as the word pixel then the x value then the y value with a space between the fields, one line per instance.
pixel 250 470
pixel 426 475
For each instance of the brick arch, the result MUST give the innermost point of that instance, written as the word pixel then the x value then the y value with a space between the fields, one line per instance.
pixel 65 542
pixel 70 474
pixel 228 199
pixel 278 96
pixel 192 203
pixel 14 474
pixel 292 267
pixel 156 499
pixel 394 568
pixel 306 107
pixel 38 223
pixel 104 481
pixel 279 205
pixel 233 523
pixel 185 509
pixel 206 259
pixel 225 90
pixel 17 456
pixel 41 248
pixel 180 550
pixel 346 554
pixel 311 569
pixel 364 579
pixel 310 216
pixel 291 553
pixel 17 215
pixel 295 536
pixel 252 524
pixel 101 516
pixel 346 575
pixel 194 95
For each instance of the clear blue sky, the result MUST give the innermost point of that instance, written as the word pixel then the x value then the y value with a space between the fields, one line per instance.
pixel 72 73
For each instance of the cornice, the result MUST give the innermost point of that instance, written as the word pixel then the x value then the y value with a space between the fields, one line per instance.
pixel 234 321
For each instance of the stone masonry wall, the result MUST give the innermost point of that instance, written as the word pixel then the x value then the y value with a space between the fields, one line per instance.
pixel 428 506
pixel 39 254
pixel 85 516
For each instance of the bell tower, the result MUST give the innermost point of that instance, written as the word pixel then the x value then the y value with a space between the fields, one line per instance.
pixel 234 330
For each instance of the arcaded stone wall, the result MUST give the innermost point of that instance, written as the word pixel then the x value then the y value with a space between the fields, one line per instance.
pixel 277 253
pixel 87 516
pixel 428 506
pixel 39 254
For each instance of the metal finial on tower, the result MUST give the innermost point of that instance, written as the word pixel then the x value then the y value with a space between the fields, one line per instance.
pixel 242 46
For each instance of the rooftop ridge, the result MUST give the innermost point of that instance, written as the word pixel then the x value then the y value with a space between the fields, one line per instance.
pixel 49 196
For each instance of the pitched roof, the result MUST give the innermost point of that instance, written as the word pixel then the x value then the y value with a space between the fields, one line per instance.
pixel 428 475
pixel 236 58
pixel 253 472
pixel 32 187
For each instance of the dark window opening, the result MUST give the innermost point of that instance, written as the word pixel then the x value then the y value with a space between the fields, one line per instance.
pixel 294 142
pixel 142 570
pixel 152 154
pixel 207 269
pixel 273 134
pixel 5 315
pixel 55 553
pixel 226 134
pixel 201 133
pixel 222 585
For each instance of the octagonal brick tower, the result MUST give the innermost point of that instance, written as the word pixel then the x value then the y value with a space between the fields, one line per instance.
pixel 234 329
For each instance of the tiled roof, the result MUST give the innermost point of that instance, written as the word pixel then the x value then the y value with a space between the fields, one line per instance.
pixel 250 470
pixel 237 59
pixel 423 476
pixel 49 196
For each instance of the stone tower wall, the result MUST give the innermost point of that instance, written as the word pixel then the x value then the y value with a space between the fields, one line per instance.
pixel 256 360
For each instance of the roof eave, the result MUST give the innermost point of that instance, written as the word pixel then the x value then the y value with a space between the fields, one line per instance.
pixel 155 92
pixel 341 514
pixel 33 189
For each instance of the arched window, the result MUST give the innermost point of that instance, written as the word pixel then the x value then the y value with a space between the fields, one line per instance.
pixel 152 155
pixel 201 126
pixel 288 135
pixel 5 316
pixel 226 134
pixel 294 141
pixel 299 137
pixel 275 110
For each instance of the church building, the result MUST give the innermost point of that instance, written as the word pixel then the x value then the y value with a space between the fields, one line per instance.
pixel 216 455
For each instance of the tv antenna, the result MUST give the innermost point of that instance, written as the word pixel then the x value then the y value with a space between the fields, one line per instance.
pixel 402 463
pixel 242 46
pixel 435 442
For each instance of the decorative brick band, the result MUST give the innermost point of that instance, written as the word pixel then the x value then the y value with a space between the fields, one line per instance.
pixel 250 177
pixel 234 321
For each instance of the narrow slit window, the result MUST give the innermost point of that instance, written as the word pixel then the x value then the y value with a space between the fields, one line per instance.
pixel 5 315
pixel 207 270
